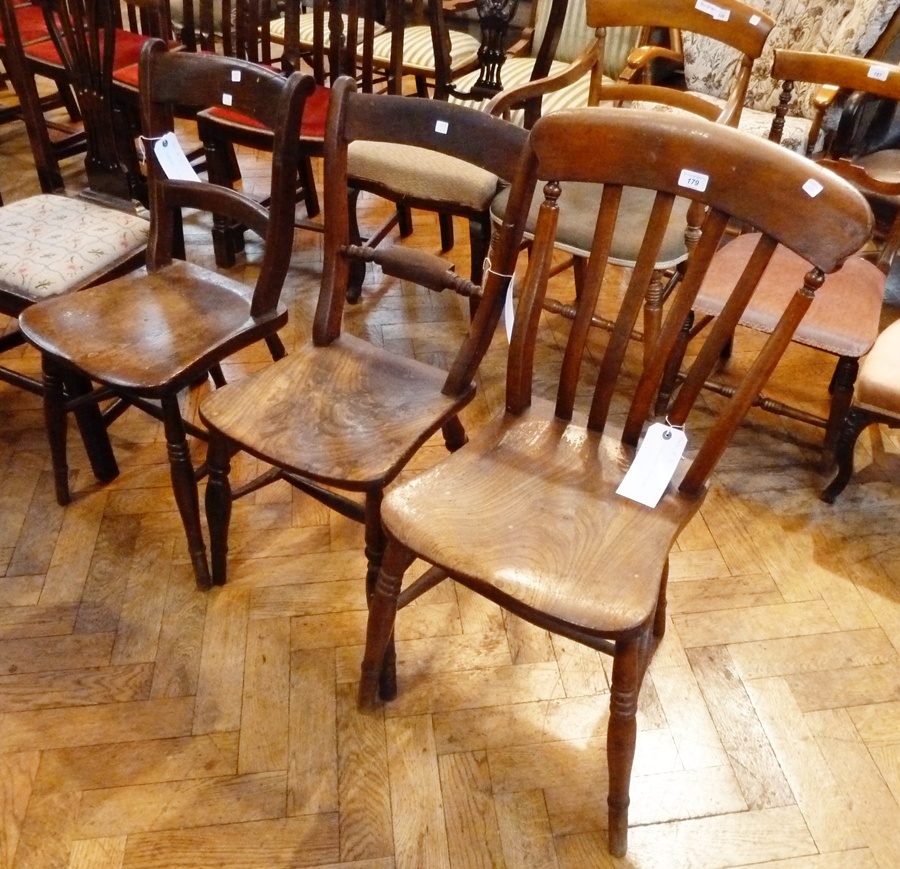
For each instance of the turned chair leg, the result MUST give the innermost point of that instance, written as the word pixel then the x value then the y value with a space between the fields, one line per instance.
pixel 184 485
pixel 855 422
pixel 622 735
pixel 55 424
pixel 93 430
pixel 218 505
pixel 841 389
pixel 378 677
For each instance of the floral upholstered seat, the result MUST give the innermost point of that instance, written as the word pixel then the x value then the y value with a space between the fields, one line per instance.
pixel 824 26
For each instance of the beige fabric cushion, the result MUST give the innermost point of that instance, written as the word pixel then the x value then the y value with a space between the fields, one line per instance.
pixel 843 318
pixel 878 385
pixel 422 174
pixel 51 244
pixel 578 207
pixel 418 50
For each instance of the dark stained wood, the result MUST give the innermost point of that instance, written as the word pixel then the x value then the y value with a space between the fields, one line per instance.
pixel 150 336
pixel 527 513
pixel 339 414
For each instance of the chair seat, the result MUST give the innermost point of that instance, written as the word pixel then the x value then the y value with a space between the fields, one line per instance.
pixel 306 30
pixel 128 50
pixel 364 412
pixel 420 174
pixel 149 343
pixel 843 318
pixel 753 121
pixel 31 24
pixel 517 71
pixel 418 51
pixel 578 207
pixel 312 124
pixel 878 386
pixel 53 244
pixel 521 476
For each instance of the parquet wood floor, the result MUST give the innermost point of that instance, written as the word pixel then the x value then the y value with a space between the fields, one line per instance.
pixel 146 724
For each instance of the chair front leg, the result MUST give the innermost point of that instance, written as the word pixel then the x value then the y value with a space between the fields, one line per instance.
pixel 184 484
pixel 856 421
pixel 841 389
pixel 378 676
pixel 621 735
pixel 218 504
pixel 55 423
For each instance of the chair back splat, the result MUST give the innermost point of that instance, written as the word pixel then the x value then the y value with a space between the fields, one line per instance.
pixel 529 513
pixel 185 80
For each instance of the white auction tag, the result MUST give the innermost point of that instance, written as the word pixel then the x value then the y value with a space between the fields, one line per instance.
pixel 693 180
pixel 812 188
pixel 755 19
pixel 441 127
pixel 227 99
pixel 878 72
pixel 716 12
pixel 654 464
pixel 235 75
pixel 172 159
pixel 509 310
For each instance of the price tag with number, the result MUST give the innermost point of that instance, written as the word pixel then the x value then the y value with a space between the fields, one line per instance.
pixel 172 159
pixel 654 464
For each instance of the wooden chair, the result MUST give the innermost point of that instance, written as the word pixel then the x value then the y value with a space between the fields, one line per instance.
pixel 844 322
pixel 54 245
pixel 527 514
pixel 740 28
pixel 24 24
pixel 557 42
pixel 147 337
pixel 282 41
pixel 339 415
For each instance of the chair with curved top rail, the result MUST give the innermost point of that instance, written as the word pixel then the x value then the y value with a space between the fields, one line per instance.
pixel 529 513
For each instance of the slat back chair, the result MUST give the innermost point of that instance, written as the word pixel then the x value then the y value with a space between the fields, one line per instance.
pixel 739 27
pixel 147 337
pixel 844 322
pixel 527 513
pixel 341 415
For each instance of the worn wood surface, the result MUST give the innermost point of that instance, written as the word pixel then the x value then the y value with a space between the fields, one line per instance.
pixel 146 724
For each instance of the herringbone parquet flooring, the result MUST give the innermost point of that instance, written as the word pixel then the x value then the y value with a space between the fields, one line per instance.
pixel 146 724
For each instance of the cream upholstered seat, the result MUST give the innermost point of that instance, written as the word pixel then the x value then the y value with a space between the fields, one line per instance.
pixel 418 51
pixel 52 244
pixel 835 27
pixel 307 29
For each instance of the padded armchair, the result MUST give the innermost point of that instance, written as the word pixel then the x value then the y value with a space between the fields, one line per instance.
pixel 528 513
pixel 146 337
pixel 849 27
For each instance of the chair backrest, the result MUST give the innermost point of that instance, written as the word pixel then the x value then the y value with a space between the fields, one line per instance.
pixel 470 136
pixel 849 27
pixel 736 176
pixel 183 80
pixel 731 27
pixel 856 74
pixel 85 33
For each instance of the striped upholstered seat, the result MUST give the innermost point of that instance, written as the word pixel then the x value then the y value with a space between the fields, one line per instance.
pixel 575 36
pixel 418 51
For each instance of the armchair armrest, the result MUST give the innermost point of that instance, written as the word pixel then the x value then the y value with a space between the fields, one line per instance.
pixel 506 100
pixel 639 60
